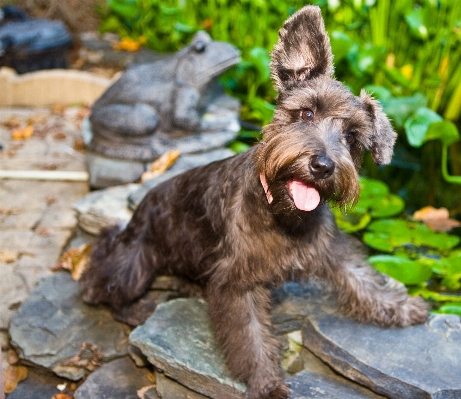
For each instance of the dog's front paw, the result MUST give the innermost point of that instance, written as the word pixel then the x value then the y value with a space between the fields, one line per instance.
pixel 272 391
pixel 415 311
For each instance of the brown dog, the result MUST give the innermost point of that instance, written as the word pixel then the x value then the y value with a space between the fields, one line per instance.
pixel 241 225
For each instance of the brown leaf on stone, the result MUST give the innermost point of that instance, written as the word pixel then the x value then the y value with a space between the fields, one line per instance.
pixel 37 119
pixel 142 391
pixel 9 211
pixel 62 396
pixel 436 219
pixel 74 260
pixel 12 122
pixel 50 199
pixel 12 376
pixel 7 256
pixel 59 136
pixel 88 357
pixel 161 165
pixel 23 134
pixel 58 109
pixel 44 231
pixel 79 145
pixel 12 357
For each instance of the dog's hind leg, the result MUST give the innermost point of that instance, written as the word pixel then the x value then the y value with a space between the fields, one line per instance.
pixel 242 327
pixel 121 266
pixel 368 296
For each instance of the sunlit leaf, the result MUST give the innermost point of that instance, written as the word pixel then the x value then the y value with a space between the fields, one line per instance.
pixel 415 21
pixel 399 109
pixel 351 221
pixel 260 58
pixel 341 44
pixel 417 125
pixel 402 269
pixel 125 8
pixel 445 131
pixel 450 308
pixel 238 146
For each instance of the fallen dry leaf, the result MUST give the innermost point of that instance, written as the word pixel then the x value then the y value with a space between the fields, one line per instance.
pixel 142 391
pixel 9 211
pixel 12 122
pixel 436 219
pixel 79 145
pixel 58 109
pixel 75 260
pixel 62 396
pixel 129 44
pixel 12 376
pixel 12 357
pixel 161 165
pixel 59 136
pixel 20 134
pixel 88 363
pixel 8 256
pixel 37 119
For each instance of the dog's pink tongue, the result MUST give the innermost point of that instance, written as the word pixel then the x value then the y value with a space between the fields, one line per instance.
pixel 306 198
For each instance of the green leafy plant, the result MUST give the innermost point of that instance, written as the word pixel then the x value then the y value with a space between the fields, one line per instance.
pixel 429 263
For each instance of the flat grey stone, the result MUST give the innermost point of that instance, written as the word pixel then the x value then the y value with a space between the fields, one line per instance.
pixel 53 323
pixel 105 172
pixel 118 379
pixel 178 340
pixel 415 362
pixel 184 162
pixel 102 208
pixel 310 385
pixel 170 389
pixel 293 302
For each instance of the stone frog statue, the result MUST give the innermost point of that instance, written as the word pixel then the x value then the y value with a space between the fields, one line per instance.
pixel 152 105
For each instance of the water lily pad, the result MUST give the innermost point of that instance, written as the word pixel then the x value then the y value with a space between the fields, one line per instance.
pixel 451 308
pixel 351 221
pixel 389 234
pixel 402 269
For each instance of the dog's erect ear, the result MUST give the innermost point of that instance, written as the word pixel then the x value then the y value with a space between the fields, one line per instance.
pixel 303 49
pixel 383 136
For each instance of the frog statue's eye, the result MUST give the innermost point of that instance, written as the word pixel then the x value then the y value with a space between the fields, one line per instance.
pixel 199 46
pixel 306 114
pixel 350 137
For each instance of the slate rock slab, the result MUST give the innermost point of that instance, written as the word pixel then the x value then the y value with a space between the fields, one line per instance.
pixel 293 302
pixel 311 385
pixel 415 362
pixel 53 328
pixel 170 389
pixel 178 340
pixel 102 208
pixel 118 379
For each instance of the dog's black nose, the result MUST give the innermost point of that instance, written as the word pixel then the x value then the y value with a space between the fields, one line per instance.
pixel 322 166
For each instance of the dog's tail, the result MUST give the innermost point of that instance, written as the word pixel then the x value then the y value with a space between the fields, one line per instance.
pixel 120 267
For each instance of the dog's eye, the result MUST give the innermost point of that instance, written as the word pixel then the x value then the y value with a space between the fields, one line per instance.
pixel 307 115
pixel 350 137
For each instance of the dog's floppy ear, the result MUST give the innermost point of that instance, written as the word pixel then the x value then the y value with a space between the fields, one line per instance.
pixel 303 49
pixel 383 135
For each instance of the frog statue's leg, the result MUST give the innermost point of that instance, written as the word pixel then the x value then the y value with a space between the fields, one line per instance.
pixel 125 120
pixel 186 110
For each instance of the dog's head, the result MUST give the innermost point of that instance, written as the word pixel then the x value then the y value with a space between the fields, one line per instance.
pixel 312 150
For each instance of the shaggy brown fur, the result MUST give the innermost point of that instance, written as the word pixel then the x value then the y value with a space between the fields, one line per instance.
pixel 238 226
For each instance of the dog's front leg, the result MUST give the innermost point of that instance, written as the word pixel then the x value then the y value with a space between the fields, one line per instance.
pixel 242 327
pixel 368 296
